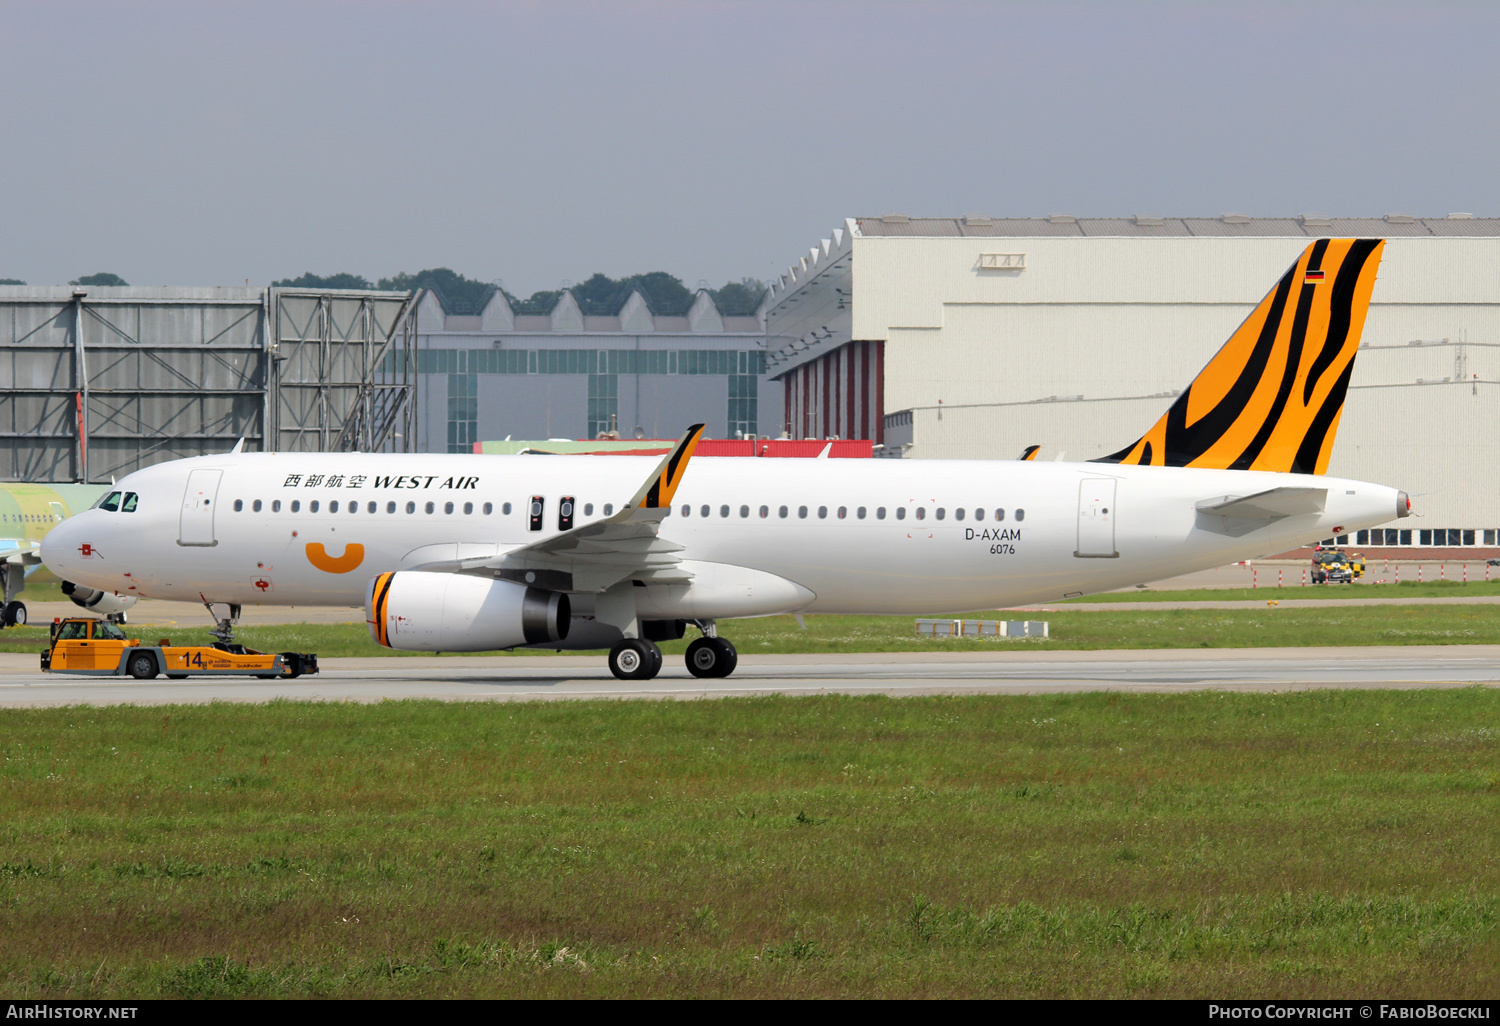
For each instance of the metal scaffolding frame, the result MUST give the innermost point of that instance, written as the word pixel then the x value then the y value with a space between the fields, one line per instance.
pixel 342 365
pixel 96 383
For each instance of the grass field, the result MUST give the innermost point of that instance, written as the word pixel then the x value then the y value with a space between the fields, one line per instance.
pixel 1177 628
pixel 1316 843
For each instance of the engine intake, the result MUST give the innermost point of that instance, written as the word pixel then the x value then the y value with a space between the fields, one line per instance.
pixel 106 603
pixel 418 611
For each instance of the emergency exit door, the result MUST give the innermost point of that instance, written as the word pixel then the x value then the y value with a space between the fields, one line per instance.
pixel 197 524
pixel 1096 518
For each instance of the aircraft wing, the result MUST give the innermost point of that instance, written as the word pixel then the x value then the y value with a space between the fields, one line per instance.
pixel 605 552
pixel 24 554
pixel 1273 504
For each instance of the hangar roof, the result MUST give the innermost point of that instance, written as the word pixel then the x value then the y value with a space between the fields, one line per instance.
pixel 1146 226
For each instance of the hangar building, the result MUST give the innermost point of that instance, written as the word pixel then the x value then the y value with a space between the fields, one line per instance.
pixel 500 374
pixel 973 337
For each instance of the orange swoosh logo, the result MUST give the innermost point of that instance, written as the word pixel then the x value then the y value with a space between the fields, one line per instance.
pixel 354 554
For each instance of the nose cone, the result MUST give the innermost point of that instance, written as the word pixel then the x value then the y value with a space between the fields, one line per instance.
pixel 68 551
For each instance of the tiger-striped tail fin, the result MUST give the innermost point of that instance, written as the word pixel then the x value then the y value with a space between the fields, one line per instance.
pixel 1270 399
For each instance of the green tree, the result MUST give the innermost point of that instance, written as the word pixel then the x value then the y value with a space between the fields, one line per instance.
pixel 459 295
pixel 102 278
pixel 600 296
pixel 739 298
pixel 342 280
pixel 11 281
pixel 538 303
pixel 665 293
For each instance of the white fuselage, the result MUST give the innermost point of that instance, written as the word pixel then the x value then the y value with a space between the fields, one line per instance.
pixel 1067 528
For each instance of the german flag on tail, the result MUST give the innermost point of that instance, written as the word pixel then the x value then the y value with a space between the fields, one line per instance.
pixel 1271 398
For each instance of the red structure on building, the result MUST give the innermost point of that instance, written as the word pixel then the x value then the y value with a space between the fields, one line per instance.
pixel 840 394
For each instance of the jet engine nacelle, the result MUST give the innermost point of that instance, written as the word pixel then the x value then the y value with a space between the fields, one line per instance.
pixel 419 611
pixel 105 603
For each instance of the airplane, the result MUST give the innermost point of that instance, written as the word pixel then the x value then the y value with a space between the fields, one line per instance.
pixel 473 553
pixel 27 513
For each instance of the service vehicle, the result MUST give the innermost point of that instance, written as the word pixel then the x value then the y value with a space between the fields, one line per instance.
pixel 1333 566
pixel 87 646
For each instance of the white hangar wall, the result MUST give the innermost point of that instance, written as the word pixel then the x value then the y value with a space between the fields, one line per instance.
pixel 1081 343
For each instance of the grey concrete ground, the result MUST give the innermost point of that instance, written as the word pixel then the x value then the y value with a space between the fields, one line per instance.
pixel 532 678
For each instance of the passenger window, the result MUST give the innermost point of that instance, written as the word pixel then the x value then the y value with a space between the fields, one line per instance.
pixel 687 510
pixel 704 511
pixel 609 509
pixel 447 507
pixel 312 507
pixel 432 507
pixel 371 508
pixel 1020 515
pixel 860 512
pixel 390 507
pixel 275 505
pixel 941 512
pixel 468 508
pixel 823 513
pixel 978 514
pixel 239 505
pixel 505 509
pixel 900 512
pixel 128 506
pixel 801 512
pixel 999 514
pixel 255 506
pixel 782 511
pixel 588 509
pixel 489 507
pixel 765 511
pixel 296 506
pixel 745 511
pixel 111 502
pixel 843 512
pixel 333 507
pixel 723 511
pixel 880 513
pixel 921 513
pixel 411 507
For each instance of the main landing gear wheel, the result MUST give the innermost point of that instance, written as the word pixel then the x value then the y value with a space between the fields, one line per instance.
pixel 13 615
pixel 711 657
pixel 635 659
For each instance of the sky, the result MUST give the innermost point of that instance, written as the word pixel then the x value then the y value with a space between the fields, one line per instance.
pixel 211 143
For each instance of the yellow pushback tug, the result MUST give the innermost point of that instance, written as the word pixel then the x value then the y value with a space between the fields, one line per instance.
pixel 83 645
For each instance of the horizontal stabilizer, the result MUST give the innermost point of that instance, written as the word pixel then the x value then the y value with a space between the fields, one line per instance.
pixel 1268 505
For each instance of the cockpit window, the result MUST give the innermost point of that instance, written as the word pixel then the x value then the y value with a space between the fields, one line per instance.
pixel 103 629
pixel 110 502
pixel 128 506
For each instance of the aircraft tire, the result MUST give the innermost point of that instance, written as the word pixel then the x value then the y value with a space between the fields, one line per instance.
pixel 729 656
pixel 141 666
pixel 711 657
pixel 14 614
pixel 634 659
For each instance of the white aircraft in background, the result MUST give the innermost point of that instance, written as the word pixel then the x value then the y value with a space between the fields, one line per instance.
pixel 471 552
pixel 28 511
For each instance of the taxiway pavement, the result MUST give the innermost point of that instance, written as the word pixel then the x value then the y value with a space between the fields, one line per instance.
pixel 548 678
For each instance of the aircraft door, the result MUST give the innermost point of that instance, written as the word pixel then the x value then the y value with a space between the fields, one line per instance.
pixel 197 524
pixel 1096 518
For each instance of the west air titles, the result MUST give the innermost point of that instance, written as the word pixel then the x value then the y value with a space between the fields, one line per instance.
pixel 421 481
